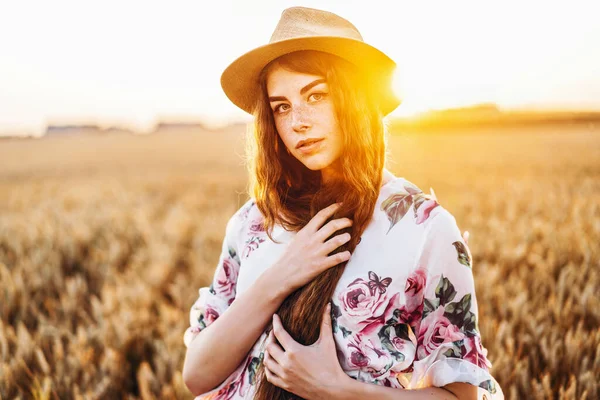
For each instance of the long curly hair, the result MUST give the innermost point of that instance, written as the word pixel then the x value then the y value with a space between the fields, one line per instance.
pixel 288 193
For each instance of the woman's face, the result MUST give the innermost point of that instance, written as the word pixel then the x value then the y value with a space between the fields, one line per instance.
pixel 303 110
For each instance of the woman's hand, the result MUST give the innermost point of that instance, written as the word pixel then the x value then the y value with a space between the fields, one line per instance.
pixel 308 253
pixel 311 372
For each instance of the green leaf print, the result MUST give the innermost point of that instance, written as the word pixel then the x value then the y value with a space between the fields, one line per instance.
pixel 201 321
pixel 445 290
pixel 465 302
pixel 396 207
pixel 488 385
pixel 429 305
pixel 463 253
pixel 253 367
pixel 470 326
pixel 335 313
pixel 394 318
pixel 455 350
pixel 233 254
pixel 384 336
pixel 459 313
pixel 345 332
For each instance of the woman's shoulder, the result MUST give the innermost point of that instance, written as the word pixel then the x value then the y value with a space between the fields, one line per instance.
pixel 402 199
pixel 436 223
pixel 240 216
pixel 244 211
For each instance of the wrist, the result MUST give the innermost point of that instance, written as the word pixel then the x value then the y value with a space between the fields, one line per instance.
pixel 274 286
pixel 345 388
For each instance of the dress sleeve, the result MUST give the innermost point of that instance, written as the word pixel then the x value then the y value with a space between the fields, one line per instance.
pixel 213 300
pixel 449 347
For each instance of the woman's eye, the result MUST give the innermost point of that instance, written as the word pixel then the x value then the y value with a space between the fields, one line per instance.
pixel 317 96
pixel 280 107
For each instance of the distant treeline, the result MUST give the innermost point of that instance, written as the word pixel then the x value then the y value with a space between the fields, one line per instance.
pixel 479 116
pixel 488 115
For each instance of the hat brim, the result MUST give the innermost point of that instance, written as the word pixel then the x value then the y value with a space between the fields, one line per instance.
pixel 240 79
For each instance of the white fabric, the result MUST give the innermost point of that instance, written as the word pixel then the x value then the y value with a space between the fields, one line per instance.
pixel 404 311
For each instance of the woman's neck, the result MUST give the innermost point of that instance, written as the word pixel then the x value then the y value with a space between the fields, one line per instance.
pixel 387 175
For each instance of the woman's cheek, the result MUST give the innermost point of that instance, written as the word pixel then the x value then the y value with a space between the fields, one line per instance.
pixel 283 127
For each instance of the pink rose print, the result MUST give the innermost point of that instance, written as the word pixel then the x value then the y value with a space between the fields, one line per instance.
pixel 410 317
pixel 422 213
pixel 397 205
pixel 415 285
pixel 476 353
pixel 358 358
pixel 398 342
pixel 239 385
pixel 226 279
pixel 202 316
pixel 256 232
pixel 210 315
pixel 257 226
pixel 406 347
pixel 227 392
pixel 436 329
pixel 363 302
pixel 367 356
pixel 376 322
pixel 195 329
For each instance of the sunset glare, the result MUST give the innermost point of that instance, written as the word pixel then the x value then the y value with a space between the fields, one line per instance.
pixel 135 63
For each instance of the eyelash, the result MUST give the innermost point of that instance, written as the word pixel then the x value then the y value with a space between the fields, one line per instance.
pixel 323 95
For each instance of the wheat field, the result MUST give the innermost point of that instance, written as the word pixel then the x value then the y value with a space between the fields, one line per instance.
pixel 105 240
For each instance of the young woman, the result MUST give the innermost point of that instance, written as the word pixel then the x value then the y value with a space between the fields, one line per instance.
pixel 337 279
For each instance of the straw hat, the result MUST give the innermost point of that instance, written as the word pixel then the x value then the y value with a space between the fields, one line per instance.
pixel 302 28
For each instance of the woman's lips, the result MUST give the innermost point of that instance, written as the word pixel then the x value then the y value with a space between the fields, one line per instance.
pixel 311 147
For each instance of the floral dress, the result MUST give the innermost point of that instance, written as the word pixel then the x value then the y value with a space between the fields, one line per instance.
pixel 404 312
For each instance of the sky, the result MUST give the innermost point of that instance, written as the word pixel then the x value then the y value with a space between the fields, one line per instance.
pixel 134 63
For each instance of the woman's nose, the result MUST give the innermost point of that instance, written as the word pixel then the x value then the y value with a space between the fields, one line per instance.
pixel 300 120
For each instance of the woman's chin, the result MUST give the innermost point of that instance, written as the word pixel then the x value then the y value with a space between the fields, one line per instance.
pixel 319 161
pixel 315 165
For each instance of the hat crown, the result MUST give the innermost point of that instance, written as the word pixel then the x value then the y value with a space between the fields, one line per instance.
pixel 303 28
pixel 299 22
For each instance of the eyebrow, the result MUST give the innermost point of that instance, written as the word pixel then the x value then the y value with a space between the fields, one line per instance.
pixel 302 91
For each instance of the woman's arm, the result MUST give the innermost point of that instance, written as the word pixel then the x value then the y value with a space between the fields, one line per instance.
pixel 231 336
pixel 219 348
pixel 352 389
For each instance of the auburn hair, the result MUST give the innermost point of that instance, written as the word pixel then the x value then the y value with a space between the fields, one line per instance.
pixel 288 193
